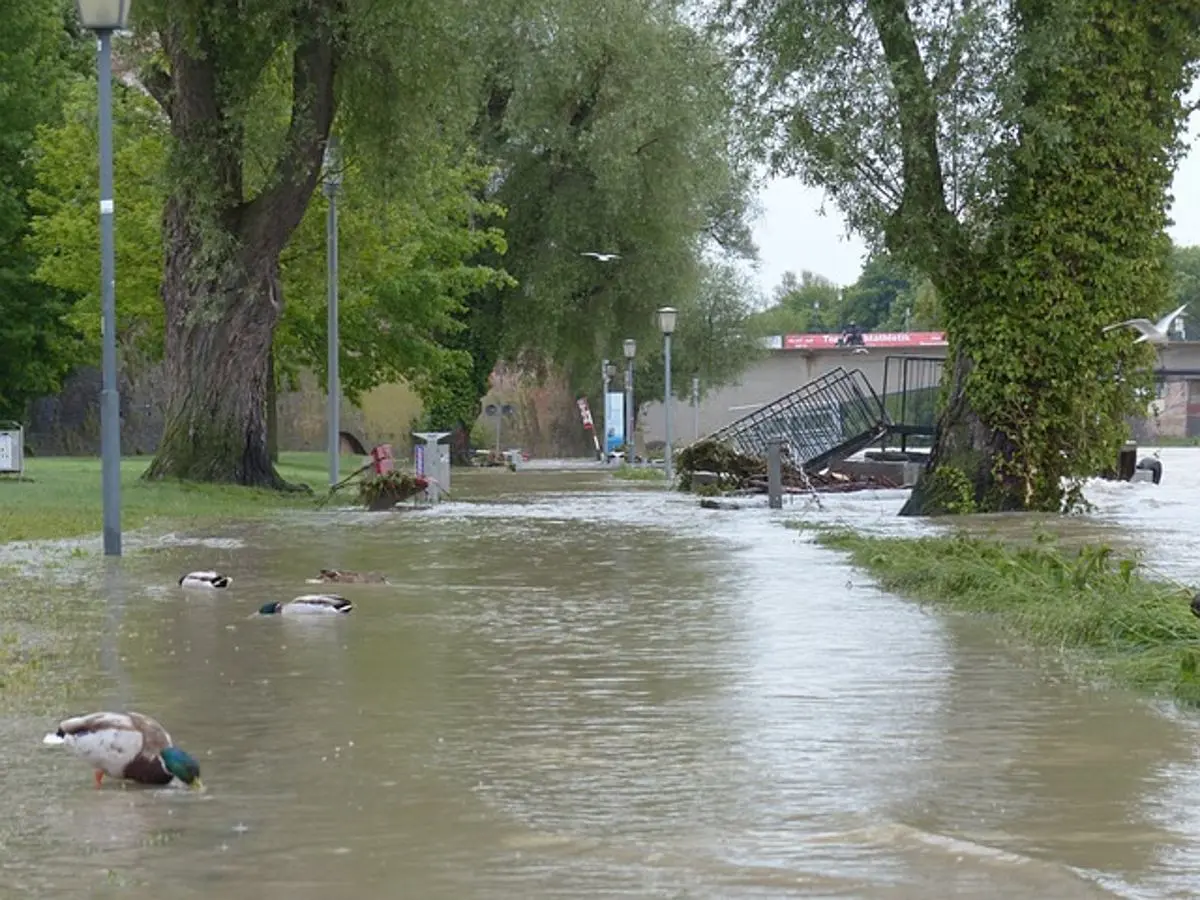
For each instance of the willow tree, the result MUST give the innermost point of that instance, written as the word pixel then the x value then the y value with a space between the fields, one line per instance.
pixel 388 73
pixel 612 127
pixel 1020 154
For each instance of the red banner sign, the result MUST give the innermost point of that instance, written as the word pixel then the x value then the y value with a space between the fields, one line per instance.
pixel 585 413
pixel 870 339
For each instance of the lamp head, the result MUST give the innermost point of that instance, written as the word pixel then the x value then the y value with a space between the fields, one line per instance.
pixel 666 319
pixel 332 165
pixel 630 348
pixel 103 15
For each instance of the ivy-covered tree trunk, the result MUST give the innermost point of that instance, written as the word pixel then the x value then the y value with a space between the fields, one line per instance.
pixel 962 463
pixel 1039 394
pixel 221 279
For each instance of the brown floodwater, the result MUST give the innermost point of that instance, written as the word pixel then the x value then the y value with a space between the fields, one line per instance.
pixel 577 687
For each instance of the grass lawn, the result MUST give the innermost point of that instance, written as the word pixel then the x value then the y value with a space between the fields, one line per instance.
pixel 63 499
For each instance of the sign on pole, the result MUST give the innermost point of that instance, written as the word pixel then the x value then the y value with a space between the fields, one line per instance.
pixel 614 420
pixel 12 448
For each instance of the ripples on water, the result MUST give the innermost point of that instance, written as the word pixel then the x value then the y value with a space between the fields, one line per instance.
pixel 576 688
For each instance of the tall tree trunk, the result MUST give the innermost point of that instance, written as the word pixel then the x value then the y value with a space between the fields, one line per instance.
pixel 959 476
pixel 219 336
pixel 221 280
pixel 272 407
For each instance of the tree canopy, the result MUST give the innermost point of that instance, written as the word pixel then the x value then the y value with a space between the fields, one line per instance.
pixel 976 142
pixel 38 54
pixel 484 150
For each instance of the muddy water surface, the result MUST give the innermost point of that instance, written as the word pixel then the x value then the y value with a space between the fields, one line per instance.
pixel 579 688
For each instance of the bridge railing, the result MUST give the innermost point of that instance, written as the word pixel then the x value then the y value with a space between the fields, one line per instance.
pixel 911 388
pixel 832 416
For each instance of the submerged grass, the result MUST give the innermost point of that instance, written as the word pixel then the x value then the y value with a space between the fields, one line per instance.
pixel 627 472
pixel 61 497
pixel 1103 612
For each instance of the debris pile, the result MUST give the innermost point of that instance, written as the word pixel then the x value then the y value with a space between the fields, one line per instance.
pixel 738 473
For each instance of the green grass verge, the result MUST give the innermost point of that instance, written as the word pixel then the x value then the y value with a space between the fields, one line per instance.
pixel 63 498
pixel 1105 615
pixel 627 472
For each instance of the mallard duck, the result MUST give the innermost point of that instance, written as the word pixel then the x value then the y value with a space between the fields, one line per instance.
pixel 205 580
pixel 340 576
pixel 308 605
pixel 126 745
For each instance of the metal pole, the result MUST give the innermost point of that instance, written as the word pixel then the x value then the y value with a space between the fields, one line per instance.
pixel 630 449
pixel 775 473
pixel 604 411
pixel 499 421
pixel 110 399
pixel 335 385
pixel 670 466
pixel 696 407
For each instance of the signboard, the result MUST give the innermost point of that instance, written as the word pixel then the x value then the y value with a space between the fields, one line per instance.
pixel 614 420
pixel 585 413
pixel 870 339
pixel 12 455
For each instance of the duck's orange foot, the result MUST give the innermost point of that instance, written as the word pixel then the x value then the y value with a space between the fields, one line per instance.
pixel 99 776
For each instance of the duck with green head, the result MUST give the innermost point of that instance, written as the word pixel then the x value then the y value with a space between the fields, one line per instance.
pixel 309 605
pixel 126 745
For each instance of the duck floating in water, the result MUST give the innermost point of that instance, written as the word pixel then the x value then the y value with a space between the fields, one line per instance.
pixel 126 745
pixel 308 605
pixel 342 576
pixel 205 580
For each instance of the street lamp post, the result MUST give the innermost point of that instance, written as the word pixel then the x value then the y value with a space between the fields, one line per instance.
pixel 666 324
pixel 333 181
pixel 630 348
pixel 103 17
pixel 607 370
pixel 696 407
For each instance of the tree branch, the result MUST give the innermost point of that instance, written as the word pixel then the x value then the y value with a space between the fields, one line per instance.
pixel 269 219
pixel 159 86
pixel 926 218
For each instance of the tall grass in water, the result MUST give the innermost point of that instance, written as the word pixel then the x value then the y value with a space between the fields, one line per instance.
pixel 1102 612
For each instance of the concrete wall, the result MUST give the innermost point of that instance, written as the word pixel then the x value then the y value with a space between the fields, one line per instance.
pixel 780 372
pixel 1176 413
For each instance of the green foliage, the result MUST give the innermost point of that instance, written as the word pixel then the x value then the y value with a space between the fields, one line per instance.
pixel 712 340
pixel 951 490
pixel 614 132
pixel 808 304
pixel 977 144
pixel 65 228
pixel 883 292
pixel 405 272
pixel 626 472
pixel 1101 610
pixel 1060 269
pixel 37 55
pixel 887 296
pixel 1185 285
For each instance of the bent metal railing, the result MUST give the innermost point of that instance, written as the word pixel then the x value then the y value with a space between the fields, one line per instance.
pixel 827 419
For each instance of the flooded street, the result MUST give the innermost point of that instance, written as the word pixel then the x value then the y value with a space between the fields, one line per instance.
pixel 576 687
